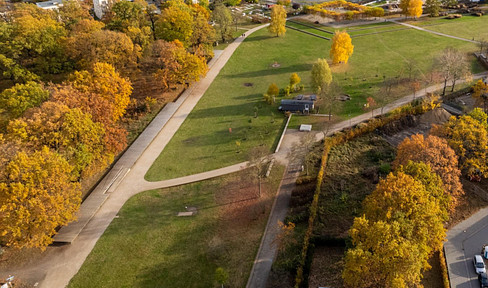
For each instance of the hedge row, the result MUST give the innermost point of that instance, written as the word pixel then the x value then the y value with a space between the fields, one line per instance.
pixel 416 108
pixel 445 277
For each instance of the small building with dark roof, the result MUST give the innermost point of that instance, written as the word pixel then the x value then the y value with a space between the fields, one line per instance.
pixel 303 106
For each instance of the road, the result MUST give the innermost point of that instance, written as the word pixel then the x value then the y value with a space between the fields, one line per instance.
pixel 464 241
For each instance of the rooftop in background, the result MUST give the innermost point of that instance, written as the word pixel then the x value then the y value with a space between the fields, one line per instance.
pixel 49 5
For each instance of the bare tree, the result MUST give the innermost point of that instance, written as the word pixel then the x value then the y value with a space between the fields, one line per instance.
pixel 385 94
pixel 482 43
pixel 452 66
pixel 259 158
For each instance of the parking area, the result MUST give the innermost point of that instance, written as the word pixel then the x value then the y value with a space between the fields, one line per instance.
pixel 464 241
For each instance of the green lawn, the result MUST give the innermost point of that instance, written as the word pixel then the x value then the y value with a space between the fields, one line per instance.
pixel 149 246
pixel 468 26
pixel 204 143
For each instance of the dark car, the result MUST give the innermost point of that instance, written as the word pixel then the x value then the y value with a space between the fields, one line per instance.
pixel 483 278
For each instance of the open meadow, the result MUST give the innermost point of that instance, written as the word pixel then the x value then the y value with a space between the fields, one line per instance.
pixel 147 245
pixel 234 100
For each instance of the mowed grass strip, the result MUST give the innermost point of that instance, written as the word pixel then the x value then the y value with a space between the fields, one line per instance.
pixel 149 246
pixel 204 141
pixel 468 27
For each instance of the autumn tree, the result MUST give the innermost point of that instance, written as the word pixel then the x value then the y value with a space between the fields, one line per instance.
pixel 452 65
pixel 321 75
pixel 480 93
pixel 433 7
pixel 272 92
pixel 294 80
pixel 380 248
pixel 175 23
pixel 96 45
pixel 37 195
pixel 415 8
pixel 15 72
pixel 127 14
pixel 71 12
pixel 101 111
pixel 106 82
pixel 223 18
pixel 404 4
pixel 175 65
pixel 278 20
pixel 14 101
pixel 342 47
pixel 402 198
pixel 33 38
pixel 69 132
pixel 433 184
pixel 203 35
pixel 435 152
pixel 468 137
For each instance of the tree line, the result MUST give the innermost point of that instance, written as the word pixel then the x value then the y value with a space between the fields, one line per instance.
pixel 54 135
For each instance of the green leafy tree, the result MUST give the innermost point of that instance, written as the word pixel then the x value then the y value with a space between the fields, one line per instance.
pixel 278 20
pixel 21 97
pixel 221 276
pixel 433 7
pixel 127 14
pixel 321 75
pixel 175 23
pixel 37 194
pixel 223 18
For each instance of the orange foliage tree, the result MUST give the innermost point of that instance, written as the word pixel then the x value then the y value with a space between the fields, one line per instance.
pixel 342 47
pixel 37 194
pixel 435 152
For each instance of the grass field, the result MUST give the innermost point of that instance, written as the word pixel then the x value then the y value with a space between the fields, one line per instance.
pixel 149 246
pixel 468 27
pixel 204 141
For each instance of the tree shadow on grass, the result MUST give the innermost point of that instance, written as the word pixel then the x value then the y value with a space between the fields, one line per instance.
pixel 274 71
pixel 257 38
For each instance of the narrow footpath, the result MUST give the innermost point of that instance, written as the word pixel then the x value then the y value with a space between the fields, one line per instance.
pixel 433 32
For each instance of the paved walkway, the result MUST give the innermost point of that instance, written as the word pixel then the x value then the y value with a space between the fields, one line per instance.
pixel 434 32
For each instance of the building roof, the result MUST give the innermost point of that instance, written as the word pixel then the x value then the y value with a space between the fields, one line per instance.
pixel 51 4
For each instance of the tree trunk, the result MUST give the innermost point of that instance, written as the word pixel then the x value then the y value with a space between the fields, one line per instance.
pixel 444 90
pixel 453 84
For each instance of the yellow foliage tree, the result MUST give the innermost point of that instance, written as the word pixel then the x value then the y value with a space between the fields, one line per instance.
pixel 468 137
pixel 294 80
pixel 342 47
pixel 415 8
pixel 37 194
pixel 379 249
pixel 278 20
pixel 106 82
pixel 480 93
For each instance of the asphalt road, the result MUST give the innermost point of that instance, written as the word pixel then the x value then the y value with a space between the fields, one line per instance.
pixel 464 241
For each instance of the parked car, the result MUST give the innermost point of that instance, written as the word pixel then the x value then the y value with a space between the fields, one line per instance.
pixel 483 278
pixel 479 265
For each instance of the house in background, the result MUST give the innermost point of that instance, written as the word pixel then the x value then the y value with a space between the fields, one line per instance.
pixel 50 5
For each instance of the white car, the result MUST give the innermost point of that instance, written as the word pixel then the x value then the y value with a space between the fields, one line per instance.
pixel 479 265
